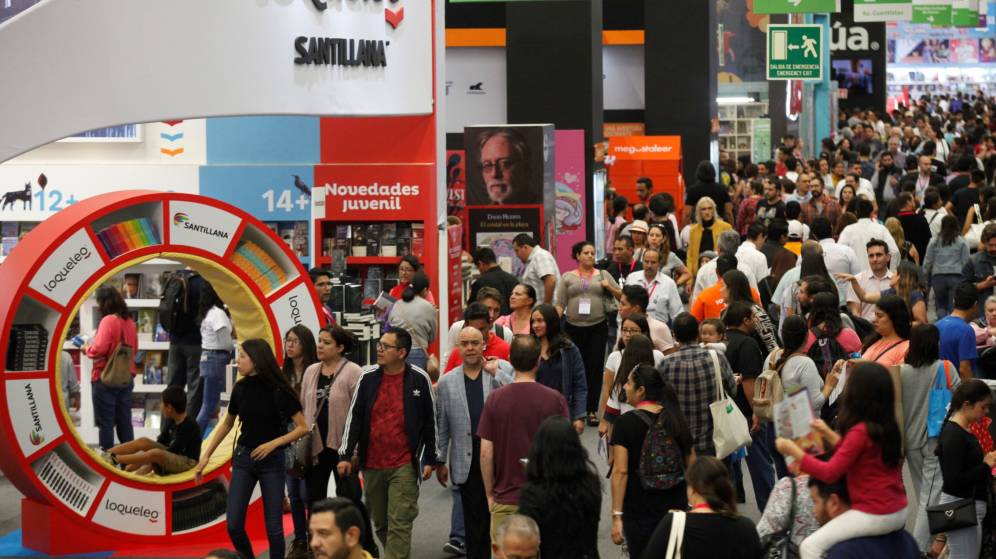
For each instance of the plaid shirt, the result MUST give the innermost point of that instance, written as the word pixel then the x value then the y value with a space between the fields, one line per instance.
pixel 539 265
pixel 691 373
pixel 831 211
pixel 746 213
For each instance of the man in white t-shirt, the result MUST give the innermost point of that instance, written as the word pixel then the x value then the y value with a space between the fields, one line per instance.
pixel 665 302
pixel 749 254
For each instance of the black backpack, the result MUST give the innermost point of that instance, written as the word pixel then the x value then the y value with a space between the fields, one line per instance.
pixel 825 351
pixel 177 309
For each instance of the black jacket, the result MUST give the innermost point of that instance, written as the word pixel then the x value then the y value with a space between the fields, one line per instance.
pixel 420 415
pixel 499 279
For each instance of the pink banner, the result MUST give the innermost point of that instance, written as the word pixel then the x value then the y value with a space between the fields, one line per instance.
pixel 570 178
pixel 454 236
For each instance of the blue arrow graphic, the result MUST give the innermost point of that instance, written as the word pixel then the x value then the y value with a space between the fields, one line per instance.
pixel 171 137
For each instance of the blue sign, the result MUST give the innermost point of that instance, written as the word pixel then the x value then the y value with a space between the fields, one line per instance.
pixel 255 140
pixel 270 193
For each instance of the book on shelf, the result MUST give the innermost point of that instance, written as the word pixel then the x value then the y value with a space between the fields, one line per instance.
pixel 153 417
pixel 161 334
pixel 7 245
pixel 286 232
pixel 403 239
pixel 389 239
pixel 338 267
pixel 26 227
pixel 359 240
pixel 354 298
pixel 260 266
pixel 341 238
pixel 9 229
pixel 301 238
pixel 28 347
pixel 133 286
pixel 327 245
pixel 418 238
pixel 125 236
pixel 146 324
pixel 373 239
pixel 138 416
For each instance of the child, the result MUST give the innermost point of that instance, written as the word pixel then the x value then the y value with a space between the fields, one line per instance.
pixel 176 450
pixel 712 334
pixel 869 453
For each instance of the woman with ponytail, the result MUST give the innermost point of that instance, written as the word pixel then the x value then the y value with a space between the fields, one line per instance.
pixel 798 369
pixel 636 509
pixel 416 314
pixel 869 452
pixel 965 469
pixel 713 529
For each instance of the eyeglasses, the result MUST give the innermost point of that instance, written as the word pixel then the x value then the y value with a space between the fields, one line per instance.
pixel 292 342
pixel 382 346
pixel 630 331
pixel 504 163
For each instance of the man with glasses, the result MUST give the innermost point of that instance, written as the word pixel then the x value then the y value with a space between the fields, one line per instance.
pixel 390 430
pixel 504 162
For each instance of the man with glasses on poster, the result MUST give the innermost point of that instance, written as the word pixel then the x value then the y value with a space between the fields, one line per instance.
pixel 505 163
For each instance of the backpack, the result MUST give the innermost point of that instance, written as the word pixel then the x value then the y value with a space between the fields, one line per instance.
pixel 177 313
pixel 662 464
pixel 825 351
pixel 862 326
pixel 768 390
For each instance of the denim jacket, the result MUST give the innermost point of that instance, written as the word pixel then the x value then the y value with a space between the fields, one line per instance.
pixel 945 259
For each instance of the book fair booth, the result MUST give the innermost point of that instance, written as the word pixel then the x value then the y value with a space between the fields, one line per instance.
pixel 368 68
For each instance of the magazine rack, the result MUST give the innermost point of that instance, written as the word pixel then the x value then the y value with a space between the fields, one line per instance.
pixel 74 501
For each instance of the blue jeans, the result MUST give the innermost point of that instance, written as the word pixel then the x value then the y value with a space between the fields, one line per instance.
pixel 212 371
pixel 944 286
pixel 112 409
pixel 761 464
pixel 297 494
pixel 418 357
pixel 457 530
pixel 270 474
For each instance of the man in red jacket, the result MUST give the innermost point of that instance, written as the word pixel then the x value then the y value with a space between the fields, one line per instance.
pixel 477 315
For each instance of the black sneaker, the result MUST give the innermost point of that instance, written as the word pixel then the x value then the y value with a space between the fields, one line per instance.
pixel 455 547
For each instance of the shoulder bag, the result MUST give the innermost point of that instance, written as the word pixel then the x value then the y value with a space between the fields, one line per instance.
pixel 677 536
pixel 778 545
pixel 974 235
pixel 300 459
pixel 951 516
pixel 117 370
pixel 610 303
pixel 729 426
pixel 940 399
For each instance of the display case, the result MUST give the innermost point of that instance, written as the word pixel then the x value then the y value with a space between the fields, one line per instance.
pixel 741 127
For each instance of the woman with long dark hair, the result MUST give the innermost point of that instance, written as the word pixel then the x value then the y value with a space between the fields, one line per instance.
pixel 670 263
pixel 922 371
pixel 326 392
pixel 561 366
pixel 869 453
pixel 416 314
pixel 263 401
pixel 889 342
pixel 965 469
pixel 713 528
pixel 407 268
pixel 947 254
pixel 635 348
pixel 216 352
pixel 637 507
pixel 111 405
pixel 825 324
pixel 736 287
pixel 582 295
pixel 299 354
pixel 796 368
pixel 562 492
pixel 521 301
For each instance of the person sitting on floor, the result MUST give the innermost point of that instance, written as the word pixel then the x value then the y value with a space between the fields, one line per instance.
pixel 176 450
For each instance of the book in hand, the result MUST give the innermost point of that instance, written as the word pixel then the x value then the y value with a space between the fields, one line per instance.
pixel 794 420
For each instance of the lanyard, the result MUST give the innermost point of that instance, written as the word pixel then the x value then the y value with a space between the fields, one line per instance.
pixel 650 294
pixel 631 266
pixel 586 282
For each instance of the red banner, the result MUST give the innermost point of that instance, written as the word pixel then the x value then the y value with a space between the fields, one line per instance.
pixel 454 236
pixel 380 192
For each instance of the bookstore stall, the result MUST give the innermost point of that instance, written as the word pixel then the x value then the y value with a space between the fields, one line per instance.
pixel 292 58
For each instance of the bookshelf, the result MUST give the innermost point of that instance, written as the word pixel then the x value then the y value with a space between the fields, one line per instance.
pixel 739 128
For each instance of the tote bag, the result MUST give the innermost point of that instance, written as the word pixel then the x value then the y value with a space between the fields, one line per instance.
pixel 117 370
pixel 940 399
pixel 729 426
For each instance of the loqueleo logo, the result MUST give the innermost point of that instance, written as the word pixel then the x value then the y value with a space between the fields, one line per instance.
pixel 181 219
pixel 63 273
pixel 140 511
pixel 36 437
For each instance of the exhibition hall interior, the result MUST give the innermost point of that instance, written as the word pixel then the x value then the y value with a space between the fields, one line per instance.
pixel 351 279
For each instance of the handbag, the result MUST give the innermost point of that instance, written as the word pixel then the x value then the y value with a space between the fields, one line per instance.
pixel 117 370
pixel 951 516
pixel 940 399
pixel 677 536
pixel 777 545
pixel 974 235
pixel 729 426
pixel 300 459
pixel 610 304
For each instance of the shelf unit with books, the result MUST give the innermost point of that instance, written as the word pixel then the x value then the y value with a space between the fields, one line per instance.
pixel 49 280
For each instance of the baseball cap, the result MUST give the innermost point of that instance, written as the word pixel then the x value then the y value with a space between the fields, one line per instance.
pixel 639 226
pixel 795 229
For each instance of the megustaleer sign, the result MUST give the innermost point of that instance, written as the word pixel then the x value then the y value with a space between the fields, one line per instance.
pixel 643 148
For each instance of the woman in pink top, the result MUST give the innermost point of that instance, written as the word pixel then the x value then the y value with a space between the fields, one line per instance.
pixel 521 301
pixel 869 453
pixel 888 345
pixel 112 406
pixel 825 319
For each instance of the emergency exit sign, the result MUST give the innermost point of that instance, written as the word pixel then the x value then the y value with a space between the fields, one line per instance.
pixel 795 52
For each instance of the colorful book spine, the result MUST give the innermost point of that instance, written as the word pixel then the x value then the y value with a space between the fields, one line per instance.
pixel 128 235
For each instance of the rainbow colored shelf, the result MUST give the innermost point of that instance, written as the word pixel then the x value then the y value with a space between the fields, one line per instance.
pixel 128 235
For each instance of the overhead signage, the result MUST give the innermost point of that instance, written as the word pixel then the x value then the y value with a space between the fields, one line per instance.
pixel 965 13
pixel 795 52
pixel 67 267
pixel 644 148
pixel 934 12
pixel 270 193
pixel 356 192
pixel 883 10
pixel 796 6
pixel 201 226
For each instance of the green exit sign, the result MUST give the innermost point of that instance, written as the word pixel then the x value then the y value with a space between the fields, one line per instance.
pixel 796 6
pixel 795 52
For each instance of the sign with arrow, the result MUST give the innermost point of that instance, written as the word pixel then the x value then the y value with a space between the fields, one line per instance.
pixel 795 52
pixel 883 10
pixel 965 13
pixel 937 13
pixel 796 6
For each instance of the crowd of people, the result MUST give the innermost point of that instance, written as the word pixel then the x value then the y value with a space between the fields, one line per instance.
pixel 797 275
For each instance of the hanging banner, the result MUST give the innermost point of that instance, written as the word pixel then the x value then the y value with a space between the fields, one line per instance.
pixel 935 12
pixel 454 239
pixel 883 10
pixel 796 6
pixel 571 225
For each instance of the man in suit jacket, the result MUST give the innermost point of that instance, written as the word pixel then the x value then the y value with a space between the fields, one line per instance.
pixel 460 398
